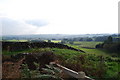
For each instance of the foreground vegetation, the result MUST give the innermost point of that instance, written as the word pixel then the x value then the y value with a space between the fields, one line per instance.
pixel 96 63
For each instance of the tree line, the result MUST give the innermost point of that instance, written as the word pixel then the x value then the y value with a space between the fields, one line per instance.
pixel 110 45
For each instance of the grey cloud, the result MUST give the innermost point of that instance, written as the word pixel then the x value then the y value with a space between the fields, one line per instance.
pixel 38 23
pixel 14 27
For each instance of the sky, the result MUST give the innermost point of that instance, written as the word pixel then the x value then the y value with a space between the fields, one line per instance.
pixel 19 17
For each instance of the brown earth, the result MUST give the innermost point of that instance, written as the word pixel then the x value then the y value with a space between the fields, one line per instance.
pixel 11 69
pixel 11 66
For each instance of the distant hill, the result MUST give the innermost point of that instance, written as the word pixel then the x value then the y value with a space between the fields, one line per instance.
pixel 52 36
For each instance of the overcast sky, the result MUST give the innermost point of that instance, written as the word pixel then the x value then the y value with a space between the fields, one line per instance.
pixel 58 16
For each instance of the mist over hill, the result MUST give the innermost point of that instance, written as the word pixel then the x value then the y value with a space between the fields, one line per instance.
pixel 54 36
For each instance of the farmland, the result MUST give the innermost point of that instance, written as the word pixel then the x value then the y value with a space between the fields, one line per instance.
pixel 86 43
pixel 14 40
pixel 89 62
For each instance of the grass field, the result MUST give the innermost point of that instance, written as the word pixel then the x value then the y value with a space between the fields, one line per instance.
pixel 90 44
pixel 14 40
pixel 90 51
pixel 56 41
pixel 112 68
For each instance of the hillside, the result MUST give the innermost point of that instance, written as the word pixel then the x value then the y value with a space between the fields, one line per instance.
pixel 29 60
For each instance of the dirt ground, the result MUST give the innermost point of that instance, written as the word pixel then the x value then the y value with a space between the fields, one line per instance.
pixel 11 69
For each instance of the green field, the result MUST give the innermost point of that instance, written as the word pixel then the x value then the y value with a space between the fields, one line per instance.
pixel 90 51
pixel 56 41
pixel 14 40
pixel 112 67
pixel 86 44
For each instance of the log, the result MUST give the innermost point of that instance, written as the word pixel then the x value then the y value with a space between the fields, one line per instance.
pixel 79 75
